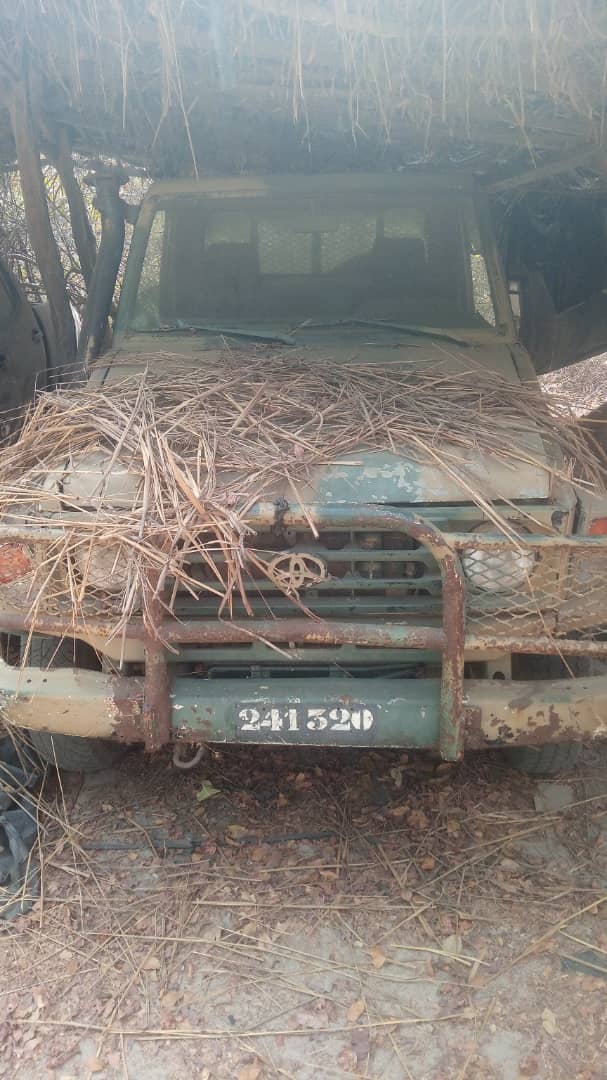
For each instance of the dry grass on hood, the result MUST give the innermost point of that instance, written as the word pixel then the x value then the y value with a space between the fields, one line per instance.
pixel 200 447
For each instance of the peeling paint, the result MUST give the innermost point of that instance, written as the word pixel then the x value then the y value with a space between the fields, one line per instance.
pixel 16 561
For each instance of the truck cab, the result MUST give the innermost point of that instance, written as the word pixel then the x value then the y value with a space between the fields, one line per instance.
pixel 424 625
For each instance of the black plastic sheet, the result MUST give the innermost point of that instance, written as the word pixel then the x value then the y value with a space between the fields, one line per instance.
pixel 19 876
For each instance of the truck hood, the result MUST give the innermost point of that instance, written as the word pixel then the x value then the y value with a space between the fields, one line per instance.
pixel 367 476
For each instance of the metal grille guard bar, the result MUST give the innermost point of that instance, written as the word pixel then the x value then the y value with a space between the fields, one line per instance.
pixel 451 640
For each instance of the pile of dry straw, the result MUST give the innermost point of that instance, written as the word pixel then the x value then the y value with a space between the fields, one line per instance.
pixel 201 446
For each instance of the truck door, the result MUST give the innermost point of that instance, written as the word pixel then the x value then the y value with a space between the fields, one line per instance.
pixel 556 260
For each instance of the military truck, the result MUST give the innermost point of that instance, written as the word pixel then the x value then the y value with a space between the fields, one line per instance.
pixel 427 631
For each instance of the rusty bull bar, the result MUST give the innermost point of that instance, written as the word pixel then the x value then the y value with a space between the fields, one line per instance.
pixel 454 713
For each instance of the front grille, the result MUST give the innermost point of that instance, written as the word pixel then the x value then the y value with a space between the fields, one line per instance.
pixel 550 585
pixel 367 575
pixel 380 668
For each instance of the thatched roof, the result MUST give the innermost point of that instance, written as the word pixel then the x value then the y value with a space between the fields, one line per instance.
pixel 283 84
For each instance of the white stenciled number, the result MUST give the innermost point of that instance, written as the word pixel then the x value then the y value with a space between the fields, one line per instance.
pixel 362 719
pixel 340 719
pixel 317 721
pixel 317 718
pixel 249 719
pixel 279 719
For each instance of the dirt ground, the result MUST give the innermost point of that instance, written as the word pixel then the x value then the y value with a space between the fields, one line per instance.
pixel 584 385
pixel 285 913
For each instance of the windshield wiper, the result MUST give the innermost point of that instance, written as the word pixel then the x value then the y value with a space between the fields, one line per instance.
pixel 223 331
pixel 415 331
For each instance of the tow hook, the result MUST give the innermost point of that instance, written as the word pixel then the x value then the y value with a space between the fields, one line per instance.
pixel 180 763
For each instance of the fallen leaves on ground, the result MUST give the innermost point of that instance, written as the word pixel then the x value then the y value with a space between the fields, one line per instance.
pixel 549 1023
pixel 356 1010
pixel 207 791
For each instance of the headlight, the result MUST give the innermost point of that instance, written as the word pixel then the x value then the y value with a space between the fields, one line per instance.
pixel 499 569
pixel 91 482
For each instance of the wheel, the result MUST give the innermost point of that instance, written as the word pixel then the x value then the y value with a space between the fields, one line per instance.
pixel 553 758
pixel 50 652
pixel 67 751
pixel 74 754
pixel 549 760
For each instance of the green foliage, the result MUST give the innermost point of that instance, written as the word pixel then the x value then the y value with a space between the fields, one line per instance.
pixel 15 247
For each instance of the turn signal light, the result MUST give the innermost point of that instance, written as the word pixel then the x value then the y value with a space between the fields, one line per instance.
pixel 15 562
pixel 598 527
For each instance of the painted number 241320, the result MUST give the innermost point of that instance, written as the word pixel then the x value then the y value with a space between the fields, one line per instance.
pixel 305 718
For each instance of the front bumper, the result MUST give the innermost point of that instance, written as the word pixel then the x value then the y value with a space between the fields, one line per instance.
pixel 447 714
pixel 407 711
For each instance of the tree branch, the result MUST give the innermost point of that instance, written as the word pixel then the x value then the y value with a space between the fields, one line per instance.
pixel 38 221
pixel 84 237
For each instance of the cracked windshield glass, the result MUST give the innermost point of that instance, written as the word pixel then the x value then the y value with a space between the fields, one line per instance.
pixel 250 267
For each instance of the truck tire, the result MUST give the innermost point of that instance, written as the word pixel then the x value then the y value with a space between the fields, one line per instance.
pixel 73 754
pixel 50 652
pixel 67 752
pixel 553 758
pixel 549 760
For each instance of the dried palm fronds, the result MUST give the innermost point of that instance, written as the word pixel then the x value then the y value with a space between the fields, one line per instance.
pixel 124 76
pixel 148 480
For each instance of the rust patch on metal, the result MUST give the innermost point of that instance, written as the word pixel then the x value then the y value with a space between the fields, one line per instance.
pixel 300 631
pixel 473 736
pixel 89 704
pixel 156 693
pixel 156 698
pixel 204 733
pixel 505 734
pixel 546 646
pixel 15 562
pixel 296 630
pixel 452 680
pixel 546 726
pixel 126 708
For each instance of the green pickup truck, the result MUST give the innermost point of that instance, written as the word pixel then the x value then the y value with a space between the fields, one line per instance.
pixel 428 631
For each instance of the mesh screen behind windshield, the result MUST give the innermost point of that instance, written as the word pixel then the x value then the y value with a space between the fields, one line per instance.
pixel 226 263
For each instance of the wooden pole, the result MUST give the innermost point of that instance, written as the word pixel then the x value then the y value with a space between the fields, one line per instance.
pixel 84 237
pixel 39 224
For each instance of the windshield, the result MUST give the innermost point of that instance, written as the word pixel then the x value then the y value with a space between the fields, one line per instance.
pixel 278 266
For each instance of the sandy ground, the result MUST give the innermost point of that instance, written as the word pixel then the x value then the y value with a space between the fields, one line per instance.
pixel 338 914
pixel 583 386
